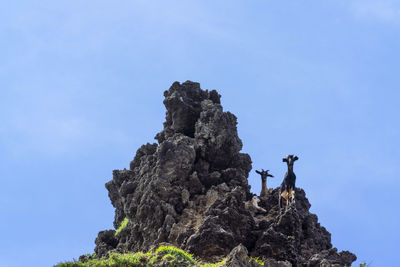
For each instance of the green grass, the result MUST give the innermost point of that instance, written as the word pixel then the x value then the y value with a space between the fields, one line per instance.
pixel 175 257
pixel 217 264
pixel 115 260
pixel 122 226
pixel 258 260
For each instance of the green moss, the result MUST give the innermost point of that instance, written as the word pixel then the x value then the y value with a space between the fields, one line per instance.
pixel 122 226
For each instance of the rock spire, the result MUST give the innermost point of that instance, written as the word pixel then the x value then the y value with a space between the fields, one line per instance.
pixel 190 189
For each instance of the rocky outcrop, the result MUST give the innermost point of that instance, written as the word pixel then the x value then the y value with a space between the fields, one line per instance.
pixel 239 257
pixel 191 190
pixel 294 235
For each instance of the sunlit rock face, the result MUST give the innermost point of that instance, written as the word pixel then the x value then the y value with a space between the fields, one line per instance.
pixel 191 190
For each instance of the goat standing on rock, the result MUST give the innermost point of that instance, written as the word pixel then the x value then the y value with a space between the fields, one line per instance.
pixel 287 189
pixel 264 175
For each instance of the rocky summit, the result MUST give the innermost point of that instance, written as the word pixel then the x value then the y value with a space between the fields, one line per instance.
pixel 190 190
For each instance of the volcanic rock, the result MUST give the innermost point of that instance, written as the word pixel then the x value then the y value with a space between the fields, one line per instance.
pixel 238 257
pixel 191 190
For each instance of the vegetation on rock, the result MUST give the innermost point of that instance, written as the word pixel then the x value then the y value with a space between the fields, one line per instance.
pixel 122 226
pixel 162 256
pixel 191 190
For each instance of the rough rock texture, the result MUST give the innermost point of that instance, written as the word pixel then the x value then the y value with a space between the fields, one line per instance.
pixel 294 235
pixel 238 257
pixel 274 263
pixel 191 190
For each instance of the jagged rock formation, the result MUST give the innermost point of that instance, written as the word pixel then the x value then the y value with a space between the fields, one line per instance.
pixel 191 190
pixel 295 235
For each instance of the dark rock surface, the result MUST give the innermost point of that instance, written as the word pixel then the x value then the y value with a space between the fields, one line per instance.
pixel 239 257
pixel 294 235
pixel 191 190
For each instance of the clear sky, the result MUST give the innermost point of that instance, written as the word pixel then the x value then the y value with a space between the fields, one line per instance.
pixel 81 88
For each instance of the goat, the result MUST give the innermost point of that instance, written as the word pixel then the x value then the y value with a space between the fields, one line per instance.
pixel 264 175
pixel 287 189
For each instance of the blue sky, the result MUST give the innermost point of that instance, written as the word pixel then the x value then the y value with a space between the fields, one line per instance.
pixel 81 88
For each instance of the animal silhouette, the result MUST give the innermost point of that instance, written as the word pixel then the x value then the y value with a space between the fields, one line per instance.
pixel 288 186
